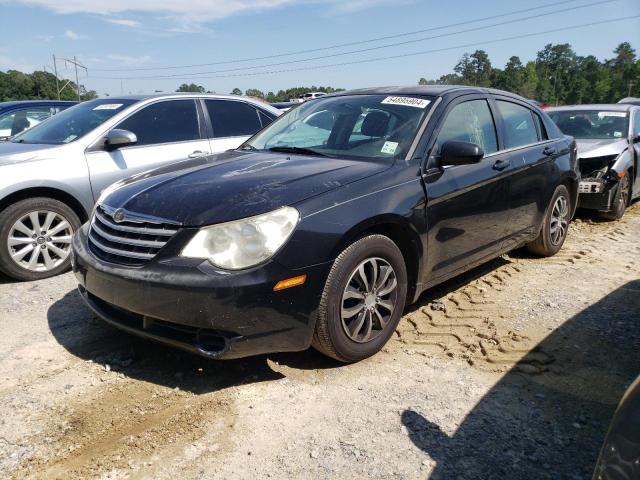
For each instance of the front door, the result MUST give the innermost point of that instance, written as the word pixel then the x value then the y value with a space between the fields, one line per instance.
pixel 168 131
pixel 467 205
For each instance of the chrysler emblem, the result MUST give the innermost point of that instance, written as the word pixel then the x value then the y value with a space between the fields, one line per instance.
pixel 118 216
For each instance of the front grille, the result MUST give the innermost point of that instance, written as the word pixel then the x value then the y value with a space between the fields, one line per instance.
pixel 127 242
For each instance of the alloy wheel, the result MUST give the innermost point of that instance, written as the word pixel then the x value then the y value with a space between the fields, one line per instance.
pixel 40 240
pixel 369 299
pixel 559 220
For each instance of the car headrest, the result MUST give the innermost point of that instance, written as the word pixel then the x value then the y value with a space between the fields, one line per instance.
pixel 375 124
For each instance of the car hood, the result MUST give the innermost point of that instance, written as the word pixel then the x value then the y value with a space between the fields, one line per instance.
pixel 13 152
pixel 234 185
pixel 601 148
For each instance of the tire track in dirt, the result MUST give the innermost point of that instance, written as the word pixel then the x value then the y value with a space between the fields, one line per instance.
pixel 467 323
pixel 122 428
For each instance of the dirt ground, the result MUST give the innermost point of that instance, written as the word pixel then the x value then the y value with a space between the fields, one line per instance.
pixel 511 371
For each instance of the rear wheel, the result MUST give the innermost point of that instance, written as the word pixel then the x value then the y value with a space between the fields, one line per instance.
pixel 35 238
pixel 554 226
pixel 363 300
pixel 621 199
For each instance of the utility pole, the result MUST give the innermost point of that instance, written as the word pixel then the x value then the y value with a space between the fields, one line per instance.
pixel 55 70
pixel 76 64
pixel 631 84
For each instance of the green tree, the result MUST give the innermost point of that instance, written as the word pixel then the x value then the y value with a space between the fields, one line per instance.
pixel 236 91
pixel 254 92
pixel 191 87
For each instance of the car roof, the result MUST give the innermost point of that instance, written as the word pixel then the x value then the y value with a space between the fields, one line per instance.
pixel 428 90
pixel 22 103
pixel 611 107
pixel 213 96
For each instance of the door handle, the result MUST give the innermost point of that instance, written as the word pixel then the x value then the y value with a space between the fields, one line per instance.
pixel 501 164
pixel 198 153
pixel 548 151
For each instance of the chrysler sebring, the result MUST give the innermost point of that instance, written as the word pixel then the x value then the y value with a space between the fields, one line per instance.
pixel 321 228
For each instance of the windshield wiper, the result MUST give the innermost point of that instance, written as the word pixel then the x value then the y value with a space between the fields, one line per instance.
pixel 300 150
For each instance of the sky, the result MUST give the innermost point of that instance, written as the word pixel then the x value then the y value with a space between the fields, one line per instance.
pixel 249 43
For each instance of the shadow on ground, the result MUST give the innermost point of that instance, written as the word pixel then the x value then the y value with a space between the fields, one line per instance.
pixel 550 425
pixel 74 327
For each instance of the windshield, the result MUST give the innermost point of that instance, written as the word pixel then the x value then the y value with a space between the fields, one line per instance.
pixel 592 124
pixel 351 126
pixel 74 122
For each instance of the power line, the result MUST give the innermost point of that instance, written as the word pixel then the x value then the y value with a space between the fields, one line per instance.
pixel 349 44
pixel 364 50
pixel 413 54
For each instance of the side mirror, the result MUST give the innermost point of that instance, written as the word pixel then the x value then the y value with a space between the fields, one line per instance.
pixel 117 138
pixel 454 152
pixel 635 138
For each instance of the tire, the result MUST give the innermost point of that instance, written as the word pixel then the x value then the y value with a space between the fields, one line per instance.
pixel 558 214
pixel 53 246
pixel 339 337
pixel 620 200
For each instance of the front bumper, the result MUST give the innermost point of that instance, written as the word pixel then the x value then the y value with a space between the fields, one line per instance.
pixel 189 304
pixel 597 194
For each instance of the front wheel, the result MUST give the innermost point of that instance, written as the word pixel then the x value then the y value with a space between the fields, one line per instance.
pixel 620 200
pixel 35 238
pixel 555 225
pixel 363 300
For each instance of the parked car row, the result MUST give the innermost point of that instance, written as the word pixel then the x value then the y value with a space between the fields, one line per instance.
pixel 208 227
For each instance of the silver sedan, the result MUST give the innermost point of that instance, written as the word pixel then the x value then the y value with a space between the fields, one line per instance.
pixel 51 175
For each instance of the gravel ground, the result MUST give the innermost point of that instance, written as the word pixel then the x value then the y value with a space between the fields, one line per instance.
pixel 511 371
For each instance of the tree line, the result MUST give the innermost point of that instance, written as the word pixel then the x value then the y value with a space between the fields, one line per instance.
pixel 39 85
pixel 557 76
pixel 280 96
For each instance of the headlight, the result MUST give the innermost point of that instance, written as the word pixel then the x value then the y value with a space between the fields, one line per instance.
pixel 243 243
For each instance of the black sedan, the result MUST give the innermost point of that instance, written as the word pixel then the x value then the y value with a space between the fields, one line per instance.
pixel 324 225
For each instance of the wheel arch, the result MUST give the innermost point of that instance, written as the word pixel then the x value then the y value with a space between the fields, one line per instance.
pixel 47 192
pixel 402 233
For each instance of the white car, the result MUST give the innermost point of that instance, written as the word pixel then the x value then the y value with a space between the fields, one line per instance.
pixel 311 96
pixel 52 174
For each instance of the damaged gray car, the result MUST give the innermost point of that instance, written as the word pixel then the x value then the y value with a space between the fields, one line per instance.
pixel 608 138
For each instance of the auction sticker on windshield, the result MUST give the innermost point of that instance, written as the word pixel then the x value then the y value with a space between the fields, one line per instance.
pixel 108 106
pixel 407 101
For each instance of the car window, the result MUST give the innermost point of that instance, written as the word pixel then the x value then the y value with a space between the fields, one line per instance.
pixel 164 122
pixel 74 122
pixel 542 131
pixel 18 121
pixel 519 126
pixel 636 123
pixel 469 122
pixel 372 127
pixel 264 118
pixel 232 119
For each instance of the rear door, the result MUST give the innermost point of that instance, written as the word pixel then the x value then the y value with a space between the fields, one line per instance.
pixel 530 153
pixel 467 205
pixel 232 122
pixel 168 131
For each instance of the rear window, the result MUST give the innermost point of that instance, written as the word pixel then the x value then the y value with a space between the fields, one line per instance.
pixel 518 123
pixel 232 119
